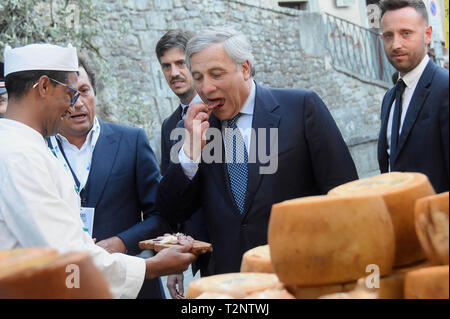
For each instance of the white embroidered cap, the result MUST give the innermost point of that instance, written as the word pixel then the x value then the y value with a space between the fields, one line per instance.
pixel 40 57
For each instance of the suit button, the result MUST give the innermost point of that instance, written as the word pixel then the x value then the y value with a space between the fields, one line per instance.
pixel 84 201
pixel 244 225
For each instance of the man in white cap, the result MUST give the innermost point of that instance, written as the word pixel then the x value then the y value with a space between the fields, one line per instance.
pixel 38 203
pixel 3 93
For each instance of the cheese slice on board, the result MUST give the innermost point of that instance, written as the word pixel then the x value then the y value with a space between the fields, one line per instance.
pixel 325 240
pixel 400 192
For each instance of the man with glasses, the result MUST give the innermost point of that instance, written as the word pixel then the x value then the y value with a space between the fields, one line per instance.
pixel 39 205
pixel 116 174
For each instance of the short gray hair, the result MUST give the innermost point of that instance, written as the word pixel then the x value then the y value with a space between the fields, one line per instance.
pixel 234 42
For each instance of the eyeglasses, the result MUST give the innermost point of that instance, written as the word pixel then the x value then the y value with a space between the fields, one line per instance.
pixel 73 98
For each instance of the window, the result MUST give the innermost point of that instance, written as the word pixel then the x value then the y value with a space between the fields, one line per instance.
pixel 299 5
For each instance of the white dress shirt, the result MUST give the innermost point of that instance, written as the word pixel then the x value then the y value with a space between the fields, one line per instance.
pixel 80 159
pixel 244 123
pixel 40 208
pixel 411 79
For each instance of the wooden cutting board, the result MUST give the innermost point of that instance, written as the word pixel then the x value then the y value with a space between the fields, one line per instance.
pixel 199 247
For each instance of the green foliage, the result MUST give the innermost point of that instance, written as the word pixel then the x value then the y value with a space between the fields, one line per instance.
pixel 50 21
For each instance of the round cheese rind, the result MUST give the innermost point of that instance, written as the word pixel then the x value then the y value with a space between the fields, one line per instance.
pixel 427 283
pixel 400 192
pixel 213 295
pixel 257 260
pixel 50 275
pixel 236 285
pixel 432 227
pixel 273 293
pixel 324 240
pixel 314 292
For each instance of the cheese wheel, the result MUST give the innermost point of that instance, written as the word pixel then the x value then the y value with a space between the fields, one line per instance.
pixel 400 192
pixel 432 223
pixel 213 295
pixel 274 293
pixel 237 285
pixel 360 291
pixel 427 283
pixel 314 292
pixel 23 254
pixel 325 240
pixel 28 274
pixel 390 286
pixel 257 260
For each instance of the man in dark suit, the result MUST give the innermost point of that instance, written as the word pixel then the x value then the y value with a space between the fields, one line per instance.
pixel 170 51
pixel 414 135
pixel 116 174
pixel 230 175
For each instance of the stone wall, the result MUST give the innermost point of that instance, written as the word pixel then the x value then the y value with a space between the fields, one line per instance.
pixel 284 50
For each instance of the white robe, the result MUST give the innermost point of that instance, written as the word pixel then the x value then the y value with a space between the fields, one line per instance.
pixel 40 208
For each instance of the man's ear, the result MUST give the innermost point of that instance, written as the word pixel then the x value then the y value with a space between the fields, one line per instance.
pixel 43 86
pixel 246 70
pixel 428 34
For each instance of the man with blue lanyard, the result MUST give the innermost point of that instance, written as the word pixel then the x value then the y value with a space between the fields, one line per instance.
pixel 38 204
pixel 116 175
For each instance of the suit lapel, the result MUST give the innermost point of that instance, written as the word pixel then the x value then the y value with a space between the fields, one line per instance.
pixel 382 142
pixel 103 158
pixel 173 124
pixel 420 95
pixel 265 119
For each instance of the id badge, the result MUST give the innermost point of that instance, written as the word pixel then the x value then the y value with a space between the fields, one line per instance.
pixel 87 216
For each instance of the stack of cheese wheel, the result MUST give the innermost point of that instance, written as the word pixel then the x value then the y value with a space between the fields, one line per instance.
pixel 44 273
pixel 236 285
pixel 257 260
pixel 391 286
pixel 432 226
pixel 319 243
pixel 400 192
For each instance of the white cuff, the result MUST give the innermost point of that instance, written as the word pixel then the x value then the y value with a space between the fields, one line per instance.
pixel 189 167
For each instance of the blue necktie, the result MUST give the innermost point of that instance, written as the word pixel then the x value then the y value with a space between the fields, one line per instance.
pixel 396 120
pixel 236 161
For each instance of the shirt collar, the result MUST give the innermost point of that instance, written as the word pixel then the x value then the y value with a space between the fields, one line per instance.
pixel 24 130
pixel 194 100
pixel 249 105
pixel 411 78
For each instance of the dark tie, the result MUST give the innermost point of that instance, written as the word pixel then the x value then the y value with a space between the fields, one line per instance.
pixel 184 111
pixel 236 161
pixel 396 120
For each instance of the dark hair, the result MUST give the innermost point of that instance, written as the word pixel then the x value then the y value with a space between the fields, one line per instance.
pixel 18 83
pixel 90 73
pixel 390 5
pixel 172 39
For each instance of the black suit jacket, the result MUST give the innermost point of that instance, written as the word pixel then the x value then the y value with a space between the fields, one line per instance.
pixel 423 143
pixel 195 226
pixel 312 159
pixel 122 187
